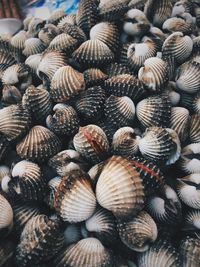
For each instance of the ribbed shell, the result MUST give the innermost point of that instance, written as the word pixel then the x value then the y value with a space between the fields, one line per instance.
pixel 139 232
pixel 39 144
pixel 94 76
pixel 115 69
pixel 6 216
pixel 74 31
pixel 40 240
pixel 177 25
pixel 72 234
pixel 194 129
pixel 112 10
pixel 88 252
pixel 64 42
pixel 48 33
pixel 154 111
pixel 34 26
pixel 75 200
pixel 33 62
pixel 33 46
pixel 189 159
pixel 18 40
pixel 91 142
pixel 5 177
pixel 11 95
pixel 70 19
pixel 66 83
pixel 95 171
pixel 190 251
pixel 64 121
pixel 56 16
pixel 119 178
pixel 192 220
pixel 6 58
pixel 196 103
pixel 26 21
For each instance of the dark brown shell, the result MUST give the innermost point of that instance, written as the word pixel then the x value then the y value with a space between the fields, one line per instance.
pixel 112 10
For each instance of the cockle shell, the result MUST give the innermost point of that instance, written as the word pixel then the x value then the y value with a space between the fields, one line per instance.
pixel 18 40
pixel 41 239
pixel 115 69
pixel 181 7
pixel 6 216
pixel 112 10
pixel 119 178
pixel 33 62
pixel 47 34
pixel 56 16
pixel 192 220
pixel 95 171
pixel 189 160
pixel 70 19
pixel 64 42
pixel 66 82
pixel 139 4
pixel 6 58
pixel 91 142
pixel 4 146
pixel 178 25
pixel 5 177
pixel 88 252
pixel 75 32
pixel 26 21
pixel 11 95
pixel 75 200
pixel 196 103
pixel 39 144
pixel 190 251
pixel 194 128
pixel 64 121
pixel 33 46
pixel 34 26
pixel 94 76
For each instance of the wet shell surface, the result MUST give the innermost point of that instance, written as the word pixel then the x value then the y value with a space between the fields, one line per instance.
pixel 6 216
pixel 190 251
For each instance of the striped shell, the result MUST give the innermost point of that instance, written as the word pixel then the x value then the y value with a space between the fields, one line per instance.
pixel 178 25
pixel 190 251
pixel 189 159
pixel 74 31
pixel 194 129
pixel 33 62
pixel 196 103
pixel 64 42
pixel 47 34
pixel 94 76
pixel 192 220
pixel 115 69
pixel 18 40
pixel 6 216
pixel 33 46
pixel 4 146
pixel 34 26
pixel 70 19
pixel 5 177
pixel 112 10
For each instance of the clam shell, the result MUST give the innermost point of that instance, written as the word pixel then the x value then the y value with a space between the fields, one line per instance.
pixel 139 232
pixel 33 62
pixel 189 159
pixel 32 249
pixel 154 111
pixel 72 234
pixel 39 144
pixel 64 42
pixel 91 142
pixel 70 19
pixel 11 95
pixel 56 16
pixel 177 25
pixel 26 21
pixel 118 178
pixel 194 130
pixel 66 83
pixel 64 121
pixel 93 53
pixel 75 200
pixel 74 31
pixel 94 76
pixel 88 252
pixel 34 26
pixel 154 74
pixel 192 220
pixel 95 171
pixel 6 216
pixel 112 10
pixel 48 33
pixel 33 46
pixel 120 111
pixel 190 251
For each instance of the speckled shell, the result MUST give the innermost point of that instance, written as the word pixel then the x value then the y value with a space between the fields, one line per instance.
pixel 119 178
pixel 192 220
pixel 94 76
pixel 34 26
pixel 56 16
pixel 48 33
pixel 64 42
pixel 39 144
pixel 189 160
pixel 33 46
pixel 139 232
pixel 93 53
pixel 90 104
pixel 88 252
pixel 154 74
pixel 194 128
pixel 40 240
pixel 75 200
pixel 190 251
pixel 154 111
pixel 11 95
pixel 91 142
pixel 112 10
pixel 177 25
pixel 120 111
pixel 64 121
pixel 70 19
pixel 66 83
pixel 6 216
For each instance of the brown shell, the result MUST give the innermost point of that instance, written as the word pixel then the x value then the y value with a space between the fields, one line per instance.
pixel 94 76
pixel 64 42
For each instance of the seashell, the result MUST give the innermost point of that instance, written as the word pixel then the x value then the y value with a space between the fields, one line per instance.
pixel 33 46
pixel 33 62
pixel 88 252
pixel 39 144
pixel 180 122
pixel 7 248
pixel 15 121
pixel 112 10
pixel 154 111
pixel 87 54
pixel 95 171
pixel 189 251
pixel 94 76
pixel 65 120
pixel 6 216
pixel 196 103
pixel 69 19
pixel 34 27
pixel 102 225
pixel 5 177
pixel 6 60
pixel 106 32
pixel 115 69
pixel 48 33
pixel 178 46
pixel 138 4
pixel 161 253
pixel 90 105
pixel 154 74
pixel 192 220
pixel 75 32
pixel 189 159
pixel 179 24
pixel 158 11
pixel 38 102
pixel 4 145
pixel 108 128
pixel 125 85
pixel 11 95
pixel 18 41
pixel 53 185
pixel 194 129
pixel 173 96
pixel 75 200
pixel 182 6
pixel 26 21
pixel 118 178
pixel 139 232
pixel 64 42
pixel 125 142
pixel 187 77
pixel 56 16
pixel 120 111
pixel 135 23
pixel 72 234
pixel 32 249
pixel 91 142
pixel 165 208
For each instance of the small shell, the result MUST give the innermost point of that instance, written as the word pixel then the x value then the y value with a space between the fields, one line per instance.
pixel 91 142
pixel 48 33
pixel 34 27
pixel 189 160
pixel 192 220
pixel 190 251
pixel 65 120
pixel 112 10
pixel 75 32
pixel 194 129
pixel 66 161
pixel 94 76
pixel 6 216
pixel 75 200
pixel 33 46
pixel 154 74
pixel 11 95
pixel 154 111
pixel 39 144
pixel 88 252
pixel 72 234
pixel 64 42
pixel 93 53
pixel 66 83
pixel 139 232
pixel 120 111
pixel 56 16
pixel 70 19
pixel 177 25
pixel 119 178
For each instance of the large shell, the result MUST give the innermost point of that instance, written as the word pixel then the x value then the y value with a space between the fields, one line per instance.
pixel 190 251
pixel 75 200
pixel 154 111
pixel 91 142
pixel 39 144
pixel 65 120
pixel 40 240
pixel 66 83
pixel 33 46
pixel 194 129
pixel 139 232
pixel 88 252
pixel 48 33
pixel 64 42
pixel 11 95
pixel 6 216
pixel 112 10
pixel 94 76
pixel 119 178
pixel 154 74
pixel 189 160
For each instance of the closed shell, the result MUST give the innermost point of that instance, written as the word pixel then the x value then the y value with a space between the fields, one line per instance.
pixel 33 46
pixel 64 42
pixel 33 62
pixel 94 76
pixel 189 159
pixel 112 10
pixel 71 19
pixel 6 216
pixel 34 26
pixel 192 220
pixel 74 31
pixel 177 25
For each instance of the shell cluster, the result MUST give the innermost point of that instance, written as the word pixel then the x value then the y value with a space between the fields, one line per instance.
pixel 100 137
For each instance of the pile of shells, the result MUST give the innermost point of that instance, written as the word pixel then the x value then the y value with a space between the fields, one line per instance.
pixel 100 137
